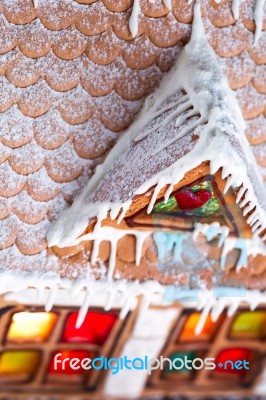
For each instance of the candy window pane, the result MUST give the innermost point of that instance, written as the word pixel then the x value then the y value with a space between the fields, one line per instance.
pixel 27 327
pixel 194 330
pixel 95 328
pixel 249 325
pixel 19 365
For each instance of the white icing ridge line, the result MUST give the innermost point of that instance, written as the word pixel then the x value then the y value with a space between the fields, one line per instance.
pixel 121 294
pixel 197 71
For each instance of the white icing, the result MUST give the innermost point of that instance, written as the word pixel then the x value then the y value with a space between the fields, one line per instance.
pixel 258 16
pixel 32 289
pixel 210 231
pixel 113 236
pixel 50 290
pixel 168 4
pixel 154 323
pixel 197 71
pixel 129 384
pixel 247 247
pixel 235 8
pixel 147 339
pixel 229 298
pixel 35 3
pixel 134 17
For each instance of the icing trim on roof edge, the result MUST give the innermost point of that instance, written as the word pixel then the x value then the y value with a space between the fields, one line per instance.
pixel 210 96
pixel 50 290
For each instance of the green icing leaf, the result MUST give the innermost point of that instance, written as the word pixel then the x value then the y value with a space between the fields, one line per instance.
pixel 201 186
pixel 169 206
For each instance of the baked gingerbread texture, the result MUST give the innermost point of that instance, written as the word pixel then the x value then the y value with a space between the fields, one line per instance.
pixel 72 80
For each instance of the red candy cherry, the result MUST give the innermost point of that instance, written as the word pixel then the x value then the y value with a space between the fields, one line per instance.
pixel 204 195
pixel 188 200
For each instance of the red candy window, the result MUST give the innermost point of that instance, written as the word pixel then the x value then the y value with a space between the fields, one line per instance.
pixel 95 329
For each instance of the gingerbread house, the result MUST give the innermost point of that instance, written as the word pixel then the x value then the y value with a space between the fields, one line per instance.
pixel 132 197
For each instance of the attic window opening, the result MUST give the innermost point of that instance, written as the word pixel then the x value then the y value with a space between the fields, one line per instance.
pixel 200 201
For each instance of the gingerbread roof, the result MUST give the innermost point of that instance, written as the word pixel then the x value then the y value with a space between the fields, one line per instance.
pixel 73 78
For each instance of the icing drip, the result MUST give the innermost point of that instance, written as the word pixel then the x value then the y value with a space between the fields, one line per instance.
pixel 247 247
pixel 121 294
pixel 197 72
pixel 50 299
pixel 235 8
pixel 168 4
pixel 171 243
pixel 134 17
pixel 211 231
pixel 215 301
pixel 35 3
pixel 113 236
pixel 84 308
pixel 258 16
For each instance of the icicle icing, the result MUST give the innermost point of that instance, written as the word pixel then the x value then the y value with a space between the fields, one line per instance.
pixel 134 17
pixel 211 231
pixel 123 295
pixel 235 8
pixel 258 16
